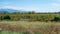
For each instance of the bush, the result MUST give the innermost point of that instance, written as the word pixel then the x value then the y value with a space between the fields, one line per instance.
pixel 56 19
pixel 7 17
pixel 1 17
pixel 26 33
pixel 37 32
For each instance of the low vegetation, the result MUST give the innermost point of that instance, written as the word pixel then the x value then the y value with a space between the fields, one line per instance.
pixel 31 16
pixel 29 23
pixel 24 27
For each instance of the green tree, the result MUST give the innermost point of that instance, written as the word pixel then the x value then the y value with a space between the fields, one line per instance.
pixel 7 17
pixel 31 12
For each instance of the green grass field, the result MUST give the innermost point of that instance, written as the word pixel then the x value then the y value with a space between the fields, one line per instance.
pixel 24 27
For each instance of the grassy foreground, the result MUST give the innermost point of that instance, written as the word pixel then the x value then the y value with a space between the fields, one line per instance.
pixel 24 27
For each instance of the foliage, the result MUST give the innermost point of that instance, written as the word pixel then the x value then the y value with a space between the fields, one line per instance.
pixel 56 19
pixel 7 17
pixel 30 16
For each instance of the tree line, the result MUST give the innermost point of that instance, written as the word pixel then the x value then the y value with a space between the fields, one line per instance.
pixel 30 16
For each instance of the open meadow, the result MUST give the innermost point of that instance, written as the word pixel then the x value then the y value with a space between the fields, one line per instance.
pixel 29 16
pixel 25 27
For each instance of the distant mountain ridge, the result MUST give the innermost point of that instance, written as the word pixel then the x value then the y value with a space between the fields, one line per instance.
pixel 11 10
pixel 3 10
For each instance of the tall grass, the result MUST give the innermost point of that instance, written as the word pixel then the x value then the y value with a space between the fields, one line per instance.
pixel 23 27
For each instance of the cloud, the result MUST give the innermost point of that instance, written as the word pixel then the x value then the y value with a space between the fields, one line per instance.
pixel 4 4
pixel 28 9
pixel 18 8
pixel 55 4
pixel 11 7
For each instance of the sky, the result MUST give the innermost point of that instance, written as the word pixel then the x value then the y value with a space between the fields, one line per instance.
pixel 32 5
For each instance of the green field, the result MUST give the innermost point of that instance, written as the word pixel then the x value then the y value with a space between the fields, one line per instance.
pixel 24 27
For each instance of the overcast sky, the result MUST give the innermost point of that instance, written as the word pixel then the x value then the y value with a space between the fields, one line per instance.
pixel 35 5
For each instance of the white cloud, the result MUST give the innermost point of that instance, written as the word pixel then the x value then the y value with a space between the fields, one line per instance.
pixel 18 8
pixel 11 7
pixel 55 4
pixel 28 9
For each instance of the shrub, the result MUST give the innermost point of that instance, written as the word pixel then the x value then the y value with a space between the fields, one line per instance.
pixel 26 33
pixel 56 19
pixel 1 17
pixel 7 17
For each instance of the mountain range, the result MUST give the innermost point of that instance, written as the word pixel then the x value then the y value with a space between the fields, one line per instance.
pixel 3 10
pixel 11 10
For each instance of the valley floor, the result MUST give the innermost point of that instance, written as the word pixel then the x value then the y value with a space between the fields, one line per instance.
pixel 24 27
